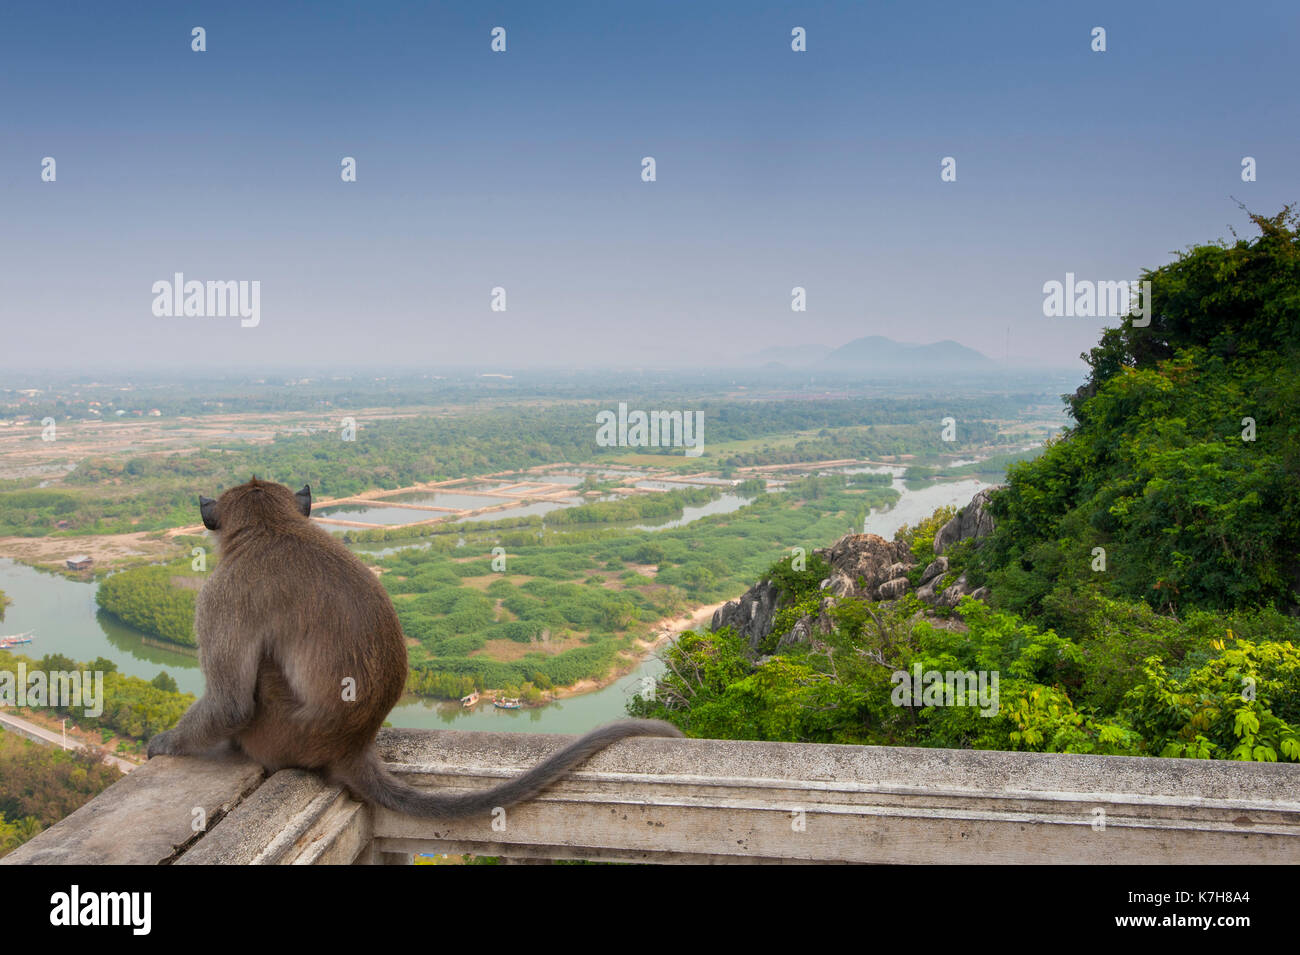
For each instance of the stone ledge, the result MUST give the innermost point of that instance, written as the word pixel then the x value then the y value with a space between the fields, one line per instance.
pixel 686 800
pixel 715 800
pixel 147 817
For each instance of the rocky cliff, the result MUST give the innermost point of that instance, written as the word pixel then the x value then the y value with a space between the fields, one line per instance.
pixel 865 566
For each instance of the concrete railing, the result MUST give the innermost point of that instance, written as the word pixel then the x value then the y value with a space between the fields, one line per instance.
pixel 684 800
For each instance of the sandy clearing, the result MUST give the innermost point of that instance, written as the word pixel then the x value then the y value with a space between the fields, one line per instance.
pixel 664 631
pixel 104 548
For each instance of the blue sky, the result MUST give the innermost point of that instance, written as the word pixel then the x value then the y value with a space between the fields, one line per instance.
pixel 522 170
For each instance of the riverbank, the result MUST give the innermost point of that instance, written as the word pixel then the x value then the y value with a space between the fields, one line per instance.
pixel 161 644
pixel 107 550
pixel 665 629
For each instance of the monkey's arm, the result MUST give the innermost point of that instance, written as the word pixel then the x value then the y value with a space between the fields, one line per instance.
pixel 227 707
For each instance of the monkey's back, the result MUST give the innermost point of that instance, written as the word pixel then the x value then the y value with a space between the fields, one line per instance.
pixel 333 661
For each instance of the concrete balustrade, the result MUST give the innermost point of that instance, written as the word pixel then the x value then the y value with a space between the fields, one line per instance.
pixel 675 800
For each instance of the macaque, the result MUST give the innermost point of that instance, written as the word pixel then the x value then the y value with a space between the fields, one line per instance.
pixel 287 617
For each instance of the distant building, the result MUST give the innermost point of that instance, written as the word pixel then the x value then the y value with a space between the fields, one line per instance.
pixel 80 562
pixel 155 413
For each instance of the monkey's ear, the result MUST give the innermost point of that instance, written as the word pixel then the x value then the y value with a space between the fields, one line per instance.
pixel 303 498
pixel 208 508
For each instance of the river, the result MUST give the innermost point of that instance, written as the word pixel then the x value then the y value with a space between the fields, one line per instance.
pixel 65 619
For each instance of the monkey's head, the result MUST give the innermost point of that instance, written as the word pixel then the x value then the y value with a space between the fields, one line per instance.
pixel 255 504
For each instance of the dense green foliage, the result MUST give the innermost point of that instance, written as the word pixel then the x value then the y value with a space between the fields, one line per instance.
pixel 920 538
pixel 150 599
pixel 13 834
pixel 1187 698
pixel 133 708
pixel 1180 640
pixel 1194 506
pixel 39 785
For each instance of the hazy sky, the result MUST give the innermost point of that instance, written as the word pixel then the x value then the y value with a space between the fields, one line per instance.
pixel 523 170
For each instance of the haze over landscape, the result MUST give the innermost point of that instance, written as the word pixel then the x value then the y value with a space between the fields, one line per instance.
pixel 897 401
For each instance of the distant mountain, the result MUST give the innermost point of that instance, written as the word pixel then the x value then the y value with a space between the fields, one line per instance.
pixel 875 353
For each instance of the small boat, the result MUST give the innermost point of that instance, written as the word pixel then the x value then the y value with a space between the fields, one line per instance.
pixel 469 700
pixel 507 704
pixel 15 639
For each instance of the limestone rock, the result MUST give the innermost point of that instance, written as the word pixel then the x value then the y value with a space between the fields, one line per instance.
pixel 926 591
pixel 838 584
pixel 973 521
pixel 935 568
pixel 801 632
pixel 751 614
pixel 867 560
pixel 953 593
pixel 860 565
pixel 893 589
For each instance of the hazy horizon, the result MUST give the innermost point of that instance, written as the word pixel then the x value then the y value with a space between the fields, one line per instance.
pixel 751 363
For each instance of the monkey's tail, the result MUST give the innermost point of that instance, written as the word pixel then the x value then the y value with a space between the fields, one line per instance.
pixel 370 778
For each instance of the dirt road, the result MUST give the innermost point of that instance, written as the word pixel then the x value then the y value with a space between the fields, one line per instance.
pixel 41 735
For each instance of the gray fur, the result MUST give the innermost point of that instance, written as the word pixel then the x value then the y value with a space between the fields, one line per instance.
pixel 287 616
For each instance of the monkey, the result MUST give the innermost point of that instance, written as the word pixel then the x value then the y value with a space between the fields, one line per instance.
pixel 287 616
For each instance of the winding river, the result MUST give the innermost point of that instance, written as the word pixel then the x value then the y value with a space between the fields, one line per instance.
pixel 65 619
